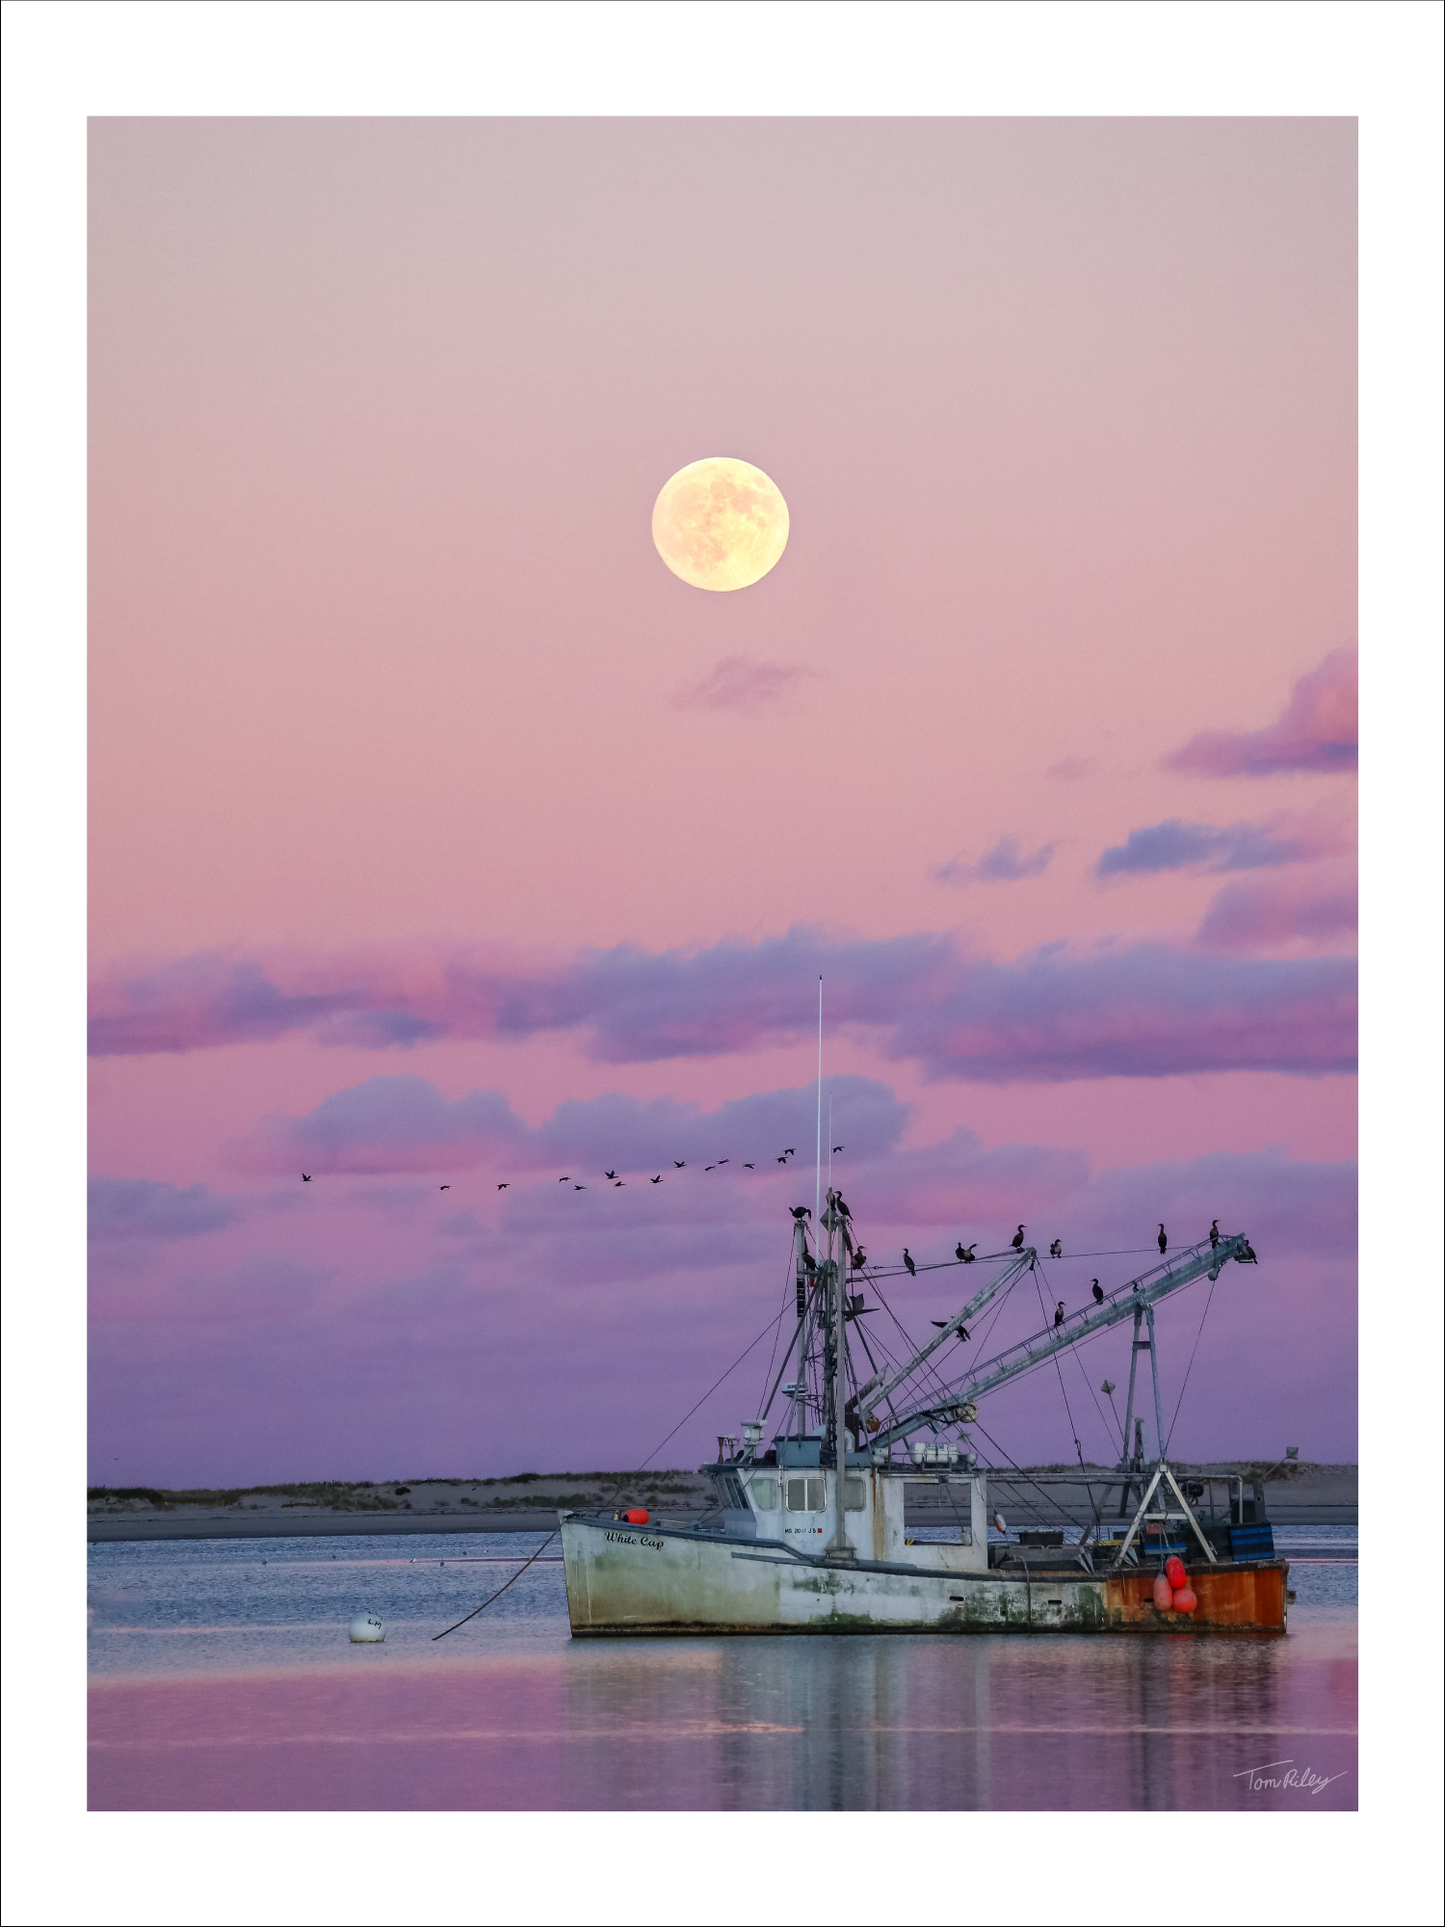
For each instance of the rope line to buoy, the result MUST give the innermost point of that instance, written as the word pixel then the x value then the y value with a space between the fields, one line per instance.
pixel 501 1589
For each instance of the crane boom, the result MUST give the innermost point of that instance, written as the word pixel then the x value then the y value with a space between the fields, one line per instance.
pixel 1191 1262
pixel 878 1388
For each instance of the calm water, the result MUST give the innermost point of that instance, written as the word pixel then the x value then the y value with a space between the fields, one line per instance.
pixel 222 1678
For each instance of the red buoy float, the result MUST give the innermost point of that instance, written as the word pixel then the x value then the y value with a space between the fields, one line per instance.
pixel 1174 1571
pixel 1163 1593
pixel 1184 1600
pixel 637 1517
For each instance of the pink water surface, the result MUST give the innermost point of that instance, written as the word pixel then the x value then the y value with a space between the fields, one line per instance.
pixel 857 1723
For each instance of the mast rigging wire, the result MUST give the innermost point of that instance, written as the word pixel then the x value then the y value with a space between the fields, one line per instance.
pixel 712 1388
pixel 1169 1436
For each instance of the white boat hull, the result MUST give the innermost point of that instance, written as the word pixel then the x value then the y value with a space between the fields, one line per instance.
pixel 634 1580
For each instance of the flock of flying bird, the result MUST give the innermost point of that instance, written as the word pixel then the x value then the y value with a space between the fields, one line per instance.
pixel 858 1257
pixel 618 1184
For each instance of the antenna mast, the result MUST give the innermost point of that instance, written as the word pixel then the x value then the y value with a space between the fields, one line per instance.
pixel 818 1174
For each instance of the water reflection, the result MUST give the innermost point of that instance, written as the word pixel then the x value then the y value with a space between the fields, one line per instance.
pixel 222 1686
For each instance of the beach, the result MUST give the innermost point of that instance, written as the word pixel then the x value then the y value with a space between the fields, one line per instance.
pixel 1299 1494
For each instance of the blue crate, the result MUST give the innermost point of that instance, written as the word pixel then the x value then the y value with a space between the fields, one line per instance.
pixel 1251 1542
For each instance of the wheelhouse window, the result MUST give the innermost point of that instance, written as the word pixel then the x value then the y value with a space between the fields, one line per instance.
pixel 765 1494
pixel 807 1495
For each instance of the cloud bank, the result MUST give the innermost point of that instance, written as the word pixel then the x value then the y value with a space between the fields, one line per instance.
pixel 1317 731
pixel 1141 1010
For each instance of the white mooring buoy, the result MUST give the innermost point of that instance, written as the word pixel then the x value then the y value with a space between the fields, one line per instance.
pixel 366 1628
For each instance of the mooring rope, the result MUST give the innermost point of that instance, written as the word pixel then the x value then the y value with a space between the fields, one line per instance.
pixel 501 1589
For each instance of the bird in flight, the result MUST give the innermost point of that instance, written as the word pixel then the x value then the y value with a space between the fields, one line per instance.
pixel 750 1167
pixel 565 1178
pixel 1098 1293
pixel 579 1187
pixel 1214 1234
pixel 618 1183
pixel 791 1152
pixel 306 1177
pixel 1163 1241
pixel 912 1268
pixel 724 1160
pixel 1017 1240
pixel 656 1180
pixel 444 1187
pixel 610 1174
pixel 1056 1249
pixel 839 1147
pixel 709 1167
pixel 783 1159
pixel 1059 1314
pixel 503 1186
pixel 679 1164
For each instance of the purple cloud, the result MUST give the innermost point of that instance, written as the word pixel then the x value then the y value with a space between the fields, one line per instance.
pixel 394 1124
pixel 1148 1010
pixel 740 684
pixel 1176 846
pixel 145 1208
pixel 1317 731
pixel 1251 915
pixel 1006 862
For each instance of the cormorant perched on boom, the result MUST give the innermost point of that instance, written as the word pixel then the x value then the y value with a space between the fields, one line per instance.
pixel 1056 1249
pixel 859 1258
pixel 1214 1235
pixel 1059 1314
pixel 963 1253
pixel 1098 1293
pixel 1017 1240
pixel 1163 1241
pixel 912 1268
pixel 800 1211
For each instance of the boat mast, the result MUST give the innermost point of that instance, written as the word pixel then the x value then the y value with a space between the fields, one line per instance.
pixel 818 1169
pixel 836 1287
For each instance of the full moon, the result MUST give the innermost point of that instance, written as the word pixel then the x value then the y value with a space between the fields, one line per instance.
pixel 720 523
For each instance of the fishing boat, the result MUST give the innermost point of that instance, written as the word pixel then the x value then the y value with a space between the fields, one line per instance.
pixel 807 1529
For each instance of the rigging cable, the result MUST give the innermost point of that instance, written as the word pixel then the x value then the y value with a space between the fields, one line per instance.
pixel 1043 1312
pixel 1190 1367
pixel 1024 1476
pixel 712 1388
pixel 787 1280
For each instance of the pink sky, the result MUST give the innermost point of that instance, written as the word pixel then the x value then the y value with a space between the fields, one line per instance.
pixel 411 761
